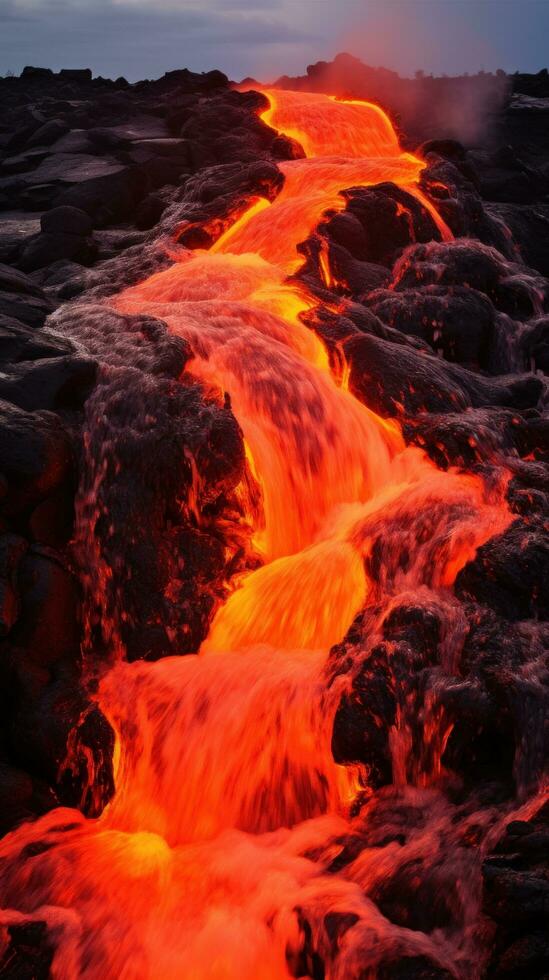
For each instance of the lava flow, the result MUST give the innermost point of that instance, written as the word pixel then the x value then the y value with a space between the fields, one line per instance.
pixel 229 809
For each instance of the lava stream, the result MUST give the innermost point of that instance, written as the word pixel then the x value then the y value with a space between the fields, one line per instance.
pixel 226 787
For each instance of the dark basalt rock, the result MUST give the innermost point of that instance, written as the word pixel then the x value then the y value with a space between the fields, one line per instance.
pixel 378 222
pixel 351 320
pixel 64 737
pixel 20 343
pixel 534 344
pixel 454 189
pixel 389 680
pixel 36 73
pixel 363 719
pixel 52 383
pixel 512 288
pixel 149 212
pixel 12 550
pixel 528 225
pixel 76 74
pixel 533 438
pixel 106 197
pixel 35 456
pixel 511 572
pixel 165 487
pixel 30 310
pixel 398 381
pixel 490 695
pixel 467 439
pixel 460 325
pixel 51 131
pixel 506 176
pixel 16 282
pixel 21 798
pixel 510 891
pixel 49 626
pixel 412 968
pixel 499 706
pixel 121 340
pixel 66 221
pixel 516 898
pixel 51 247
pixel 29 952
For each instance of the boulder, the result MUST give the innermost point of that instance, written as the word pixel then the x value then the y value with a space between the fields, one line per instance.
pixel 14 281
pixel 378 222
pixel 394 380
pixel 48 628
pixel 51 131
pixel 466 439
pixel 21 343
pixel 110 195
pixel 513 288
pixel 12 550
pixel 514 880
pixel 510 573
pixel 49 383
pixel 460 325
pixel 49 247
pixel 67 221
pixel 63 738
pixel 22 162
pixel 30 72
pixel 35 456
pixel 30 310
pixel 534 343
pixel 21 799
pixel 76 74
pixel 16 228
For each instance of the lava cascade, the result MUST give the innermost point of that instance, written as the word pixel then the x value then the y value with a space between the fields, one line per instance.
pixel 228 806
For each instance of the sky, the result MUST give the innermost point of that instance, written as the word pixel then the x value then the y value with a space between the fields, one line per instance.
pixel 266 38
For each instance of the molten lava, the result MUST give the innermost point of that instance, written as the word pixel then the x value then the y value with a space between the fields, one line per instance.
pixel 229 806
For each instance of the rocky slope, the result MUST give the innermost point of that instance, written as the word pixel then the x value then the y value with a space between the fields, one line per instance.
pixel 121 478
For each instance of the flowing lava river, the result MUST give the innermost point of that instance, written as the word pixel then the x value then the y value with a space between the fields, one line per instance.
pixel 224 854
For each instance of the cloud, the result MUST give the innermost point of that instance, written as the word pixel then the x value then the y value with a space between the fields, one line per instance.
pixel 144 38
pixel 130 37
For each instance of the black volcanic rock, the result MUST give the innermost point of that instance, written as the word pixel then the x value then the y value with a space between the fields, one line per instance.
pixel 50 383
pixel 528 224
pixel 166 584
pixel 466 439
pixel 12 550
pixel 30 310
pixel 514 289
pixel 49 627
pixel 51 247
pixel 35 456
pixel 51 131
pixel 510 573
pixel 21 343
pixel 515 897
pixel 461 325
pixel 378 222
pixel 66 221
pixel 394 380
pixel 29 952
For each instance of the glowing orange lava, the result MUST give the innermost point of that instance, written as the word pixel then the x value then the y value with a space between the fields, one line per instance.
pixel 225 779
